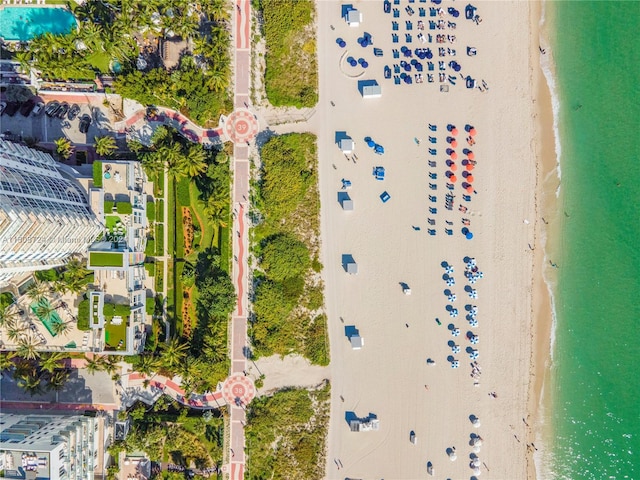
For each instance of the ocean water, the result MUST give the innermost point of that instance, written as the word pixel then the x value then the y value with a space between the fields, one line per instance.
pixel 595 375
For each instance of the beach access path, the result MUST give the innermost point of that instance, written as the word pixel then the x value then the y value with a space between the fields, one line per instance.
pixel 390 377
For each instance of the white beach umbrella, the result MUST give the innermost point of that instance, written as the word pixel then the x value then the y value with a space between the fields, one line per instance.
pixel 474 339
pixel 473 322
pixel 452 456
pixel 451 282
pixel 476 422
pixel 477 472
pixel 455 348
pixel 455 332
pixel 476 441
pixel 475 463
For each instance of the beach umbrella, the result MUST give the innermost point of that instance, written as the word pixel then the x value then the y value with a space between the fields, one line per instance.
pixel 472 280
pixel 449 269
pixel 454 131
pixel 452 455
pixel 451 298
pixel 473 355
pixel 476 422
pixel 474 339
pixel 447 291
pixel 474 310
pixel 454 143
pixel 407 67
pixel 453 167
pixel 365 64
pixel 453 179
pixel 475 463
pixel 454 313
pixel 477 472
pixel 476 441
pixel 470 155
pixel 455 348
pixel 476 449
pixel 469 188
pixel 451 282
pixel 453 155
pixel 468 127
pixel 472 132
pixel 448 308
pixel 473 294
pixel 473 323
pixel 455 332
pixel 455 364
pixel 469 167
pixel 450 127
pixel 470 178
pixel 468 235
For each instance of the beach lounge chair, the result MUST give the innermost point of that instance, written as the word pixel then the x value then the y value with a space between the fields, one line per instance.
pixel 395 26
pixel 384 196
pixel 431 221
pixel 396 2
pixel 394 38
pixel 396 13
pixel 422 12
pixel 408 25
pixel 396 80
pixel 433 175
pixel 432 231
pixel 433 128
pixel 377 52
pixel 433 198
pixel 433 210
pixel 448 231
pixel 433 140
pixel 408 38
pixel 433 186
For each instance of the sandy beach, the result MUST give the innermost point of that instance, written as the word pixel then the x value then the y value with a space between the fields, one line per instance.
pixel 390 376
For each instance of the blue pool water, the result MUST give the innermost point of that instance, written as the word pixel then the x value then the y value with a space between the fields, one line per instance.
pixel 24 23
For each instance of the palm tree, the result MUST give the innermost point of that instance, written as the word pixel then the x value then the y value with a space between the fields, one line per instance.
pixel 31 383
pixel 6 361
pixel 215 209
pixel 91 34
pixel 105 145
pixel 44 311
pixel 110 364
pixel 25 58
pixel 51 361
pixel 38 290
pixel 60 328
pixel 57 380
pixel 63 147
pixel 14 332
pixel 153 163
pixel 27 350
pixel 8 314
pixel 95 364
pixel 195 163
pixel 217 10
pixel 173 353
pixel 147 364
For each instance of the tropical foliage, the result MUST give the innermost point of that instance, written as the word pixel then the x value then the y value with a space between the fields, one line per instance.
pixel 288 297
pixel 105 145
pixel 286 434
pixel 291 64
pixel 35 372
pixel 63 147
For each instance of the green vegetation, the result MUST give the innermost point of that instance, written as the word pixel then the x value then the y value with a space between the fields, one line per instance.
pixel 291 72
pixel 151 212
pixel 150 305
pixel 159 276
pixel 150 267
pixel 105 259
pixel 158 185
pixel 83 314
pixel 150 247
pixel 97 174
pixel 160 239
pixel 108 206
pixel 168 432
pixel 160 210
pixel 64 148
pixel 286 434
pixel 116 335
pixel 36 372
pixel 124 208
pixel 105 145
pixel 50 275
pixel 288 298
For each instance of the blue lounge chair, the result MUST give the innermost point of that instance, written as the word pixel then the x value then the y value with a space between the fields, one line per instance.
pixel 433 198
pixel 384 196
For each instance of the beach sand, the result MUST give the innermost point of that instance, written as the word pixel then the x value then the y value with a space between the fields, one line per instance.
pixel 389 377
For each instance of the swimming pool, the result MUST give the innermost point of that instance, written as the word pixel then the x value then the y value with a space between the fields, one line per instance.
pixel 24 23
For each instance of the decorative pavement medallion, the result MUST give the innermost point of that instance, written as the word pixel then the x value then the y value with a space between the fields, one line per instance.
pixel 241 126
pixel 238 390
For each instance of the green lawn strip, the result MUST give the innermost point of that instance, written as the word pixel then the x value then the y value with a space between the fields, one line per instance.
pixel 171 291
pixel 97 174
pixel 160 210
pixel 151 212
pixel 179 265
pixel 207 231
pixel 159 276
pixel 150 267
pixel 105 259
pixel 159 239
pixel 171 219
pixel 150 248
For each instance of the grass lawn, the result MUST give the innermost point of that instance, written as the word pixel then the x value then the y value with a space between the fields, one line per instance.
pixel 99 60
pixel 160 239
pixel 105 259
pixel 159 276
pixel 207 231
pixel 114 334
pixel 178 296
pixel 171 302
pixel 160 210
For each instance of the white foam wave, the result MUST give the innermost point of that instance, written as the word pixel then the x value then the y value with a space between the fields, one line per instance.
pixel 546 64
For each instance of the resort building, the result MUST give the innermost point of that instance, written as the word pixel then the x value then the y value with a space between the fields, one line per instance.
pixel 44 214
pixel 51 447
pixel 117 304
pixel 114 312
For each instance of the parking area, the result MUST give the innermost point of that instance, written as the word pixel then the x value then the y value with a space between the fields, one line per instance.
pixel 98 107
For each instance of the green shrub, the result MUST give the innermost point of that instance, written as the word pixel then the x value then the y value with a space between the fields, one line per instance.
pixel 124 208
pixel 113 309
pixel 50 275
pixel 160 239
pixel 97 174
pixel 151 211
pixel 108 206
pixel 284 257
pixel 150 305
pixel 159 276
pixel 150 249
pixel 83 315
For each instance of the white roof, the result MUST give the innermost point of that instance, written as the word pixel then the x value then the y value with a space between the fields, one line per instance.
pixel 374 90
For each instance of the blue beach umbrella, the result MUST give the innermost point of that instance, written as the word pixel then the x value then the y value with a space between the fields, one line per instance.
pixel 469 235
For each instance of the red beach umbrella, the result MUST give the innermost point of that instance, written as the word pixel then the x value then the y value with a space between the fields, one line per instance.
pixel 454 131
pixel 454 156
pixel 453 167
pixel 453 179
pixel 472 132
pixel 454 143
pixel 469 167
pixel 469 178
pixel 471 155
pixel 470 188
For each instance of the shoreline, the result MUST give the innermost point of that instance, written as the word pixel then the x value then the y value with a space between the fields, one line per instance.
pixel 543 279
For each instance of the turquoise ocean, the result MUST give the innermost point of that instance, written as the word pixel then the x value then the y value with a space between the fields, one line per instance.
pixel 594 389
